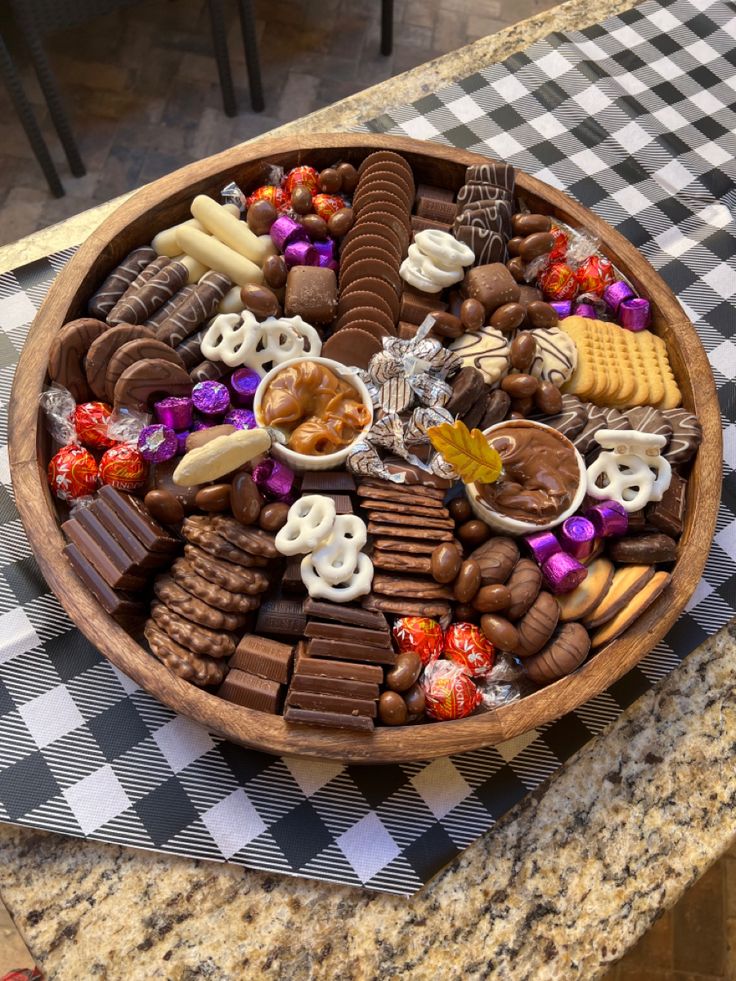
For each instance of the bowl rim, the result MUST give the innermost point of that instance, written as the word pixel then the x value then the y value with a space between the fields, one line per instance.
pixel 164 203
pixel 504 524
pixel 303 461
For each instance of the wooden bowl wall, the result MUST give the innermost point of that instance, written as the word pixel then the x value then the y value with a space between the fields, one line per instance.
pixel 166 202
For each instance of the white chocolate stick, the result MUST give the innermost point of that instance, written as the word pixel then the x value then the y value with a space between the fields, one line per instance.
pixel 231 302
pixel 229 230
pixel 196 269
pixel 165 243
pixel 213 254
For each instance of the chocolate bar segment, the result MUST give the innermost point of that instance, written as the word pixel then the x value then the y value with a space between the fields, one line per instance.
pixel 668 515
pixel 344 632
pixel 122 606
pixel 135 517
pixel 330 720
pixel 115 571
pixel 282 617
pixel 327 481
pixel 252 692
pixel 323 702
pixel 336 686
pixel 133 547
pixel 263 657
pixel 343 650
pixel 368 673
pixel 343 613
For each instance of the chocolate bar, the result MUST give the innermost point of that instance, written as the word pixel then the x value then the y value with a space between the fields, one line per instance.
pixel 343 613
pixel 263 657
pixel 343 504
pixel 282 617
pixel 368 673
pixel 327 481
pixel 343 632
pixel 415 306
pixel 444 212
pixel 429 191
pixel 341 649
pixel 134 548
pixel 115 571
pixel 668 515
pixel 291 579
pixel 135 517
pixel 323 702
pixel 336 686
pixel 330 720
pixel 122 606
pixel 420 224
pixel 250 691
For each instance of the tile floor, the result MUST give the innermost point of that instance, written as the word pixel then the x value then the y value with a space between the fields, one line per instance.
pixel 141 85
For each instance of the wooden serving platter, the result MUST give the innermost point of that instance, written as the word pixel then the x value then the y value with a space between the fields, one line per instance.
pixel 166 202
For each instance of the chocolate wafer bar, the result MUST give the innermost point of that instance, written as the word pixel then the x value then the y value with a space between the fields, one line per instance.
pixel 435 535
pixel 263 657
pixel 252 692
pixel 402 520
pixel 401 562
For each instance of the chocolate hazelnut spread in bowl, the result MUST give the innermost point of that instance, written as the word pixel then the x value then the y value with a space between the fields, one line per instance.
pixel 542 483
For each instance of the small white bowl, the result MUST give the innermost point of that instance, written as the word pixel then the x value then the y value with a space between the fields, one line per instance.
pixel 513 526
pixel 303 461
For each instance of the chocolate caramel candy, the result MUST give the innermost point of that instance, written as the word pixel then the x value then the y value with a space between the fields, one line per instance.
pixel 260 301
pixel 500 632
pixel 523 225
pixel 539 243
pixel 261 215
pixel 245 498
pixel 446 561
pixel 492 285
pixel 467 583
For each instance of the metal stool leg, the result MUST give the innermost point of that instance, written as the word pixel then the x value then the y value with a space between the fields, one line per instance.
pixel 252 60
pixel 25 17
pixel 387 26
pixel 28 120
pixel 219 44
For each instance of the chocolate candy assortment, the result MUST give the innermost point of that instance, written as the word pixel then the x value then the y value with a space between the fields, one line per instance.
pixel 359 450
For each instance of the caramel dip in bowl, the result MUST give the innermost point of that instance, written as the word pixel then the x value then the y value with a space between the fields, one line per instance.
pixel 542 483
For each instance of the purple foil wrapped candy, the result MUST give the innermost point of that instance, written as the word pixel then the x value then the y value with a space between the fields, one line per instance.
pixel 585 310
pixel 211 398
pixel 615 294
pixel 563 573
pixel 577 536
pixel 284 231
pixel 174 412
pixel 301 254
pixel 181 439
pixel 542 544
pixel 609 518
pixel 157 443
pixel 275 480
pixel 200 424
pixel 563 308
pixel 243 384
pixel 241 419
pixel 635 313
pixel 325 252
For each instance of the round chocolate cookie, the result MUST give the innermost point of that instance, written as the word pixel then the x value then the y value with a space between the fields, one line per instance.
pixel 199 669
pixel 378 229
pixel 68 351
pixel 145 380
pixel 380 243
pixel 351 346
pixel 355 299
pixel 385 156
pixel 379 288
pixel 372 314
pixel 370 326
pixel 371 269
pixel 130 352
pixel 379 190
pixel 102 349
pixel 389 214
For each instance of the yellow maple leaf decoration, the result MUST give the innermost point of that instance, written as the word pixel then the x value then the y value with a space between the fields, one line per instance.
pixel 468 452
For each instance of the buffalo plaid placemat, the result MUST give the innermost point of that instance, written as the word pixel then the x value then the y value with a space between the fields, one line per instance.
pixel 635 118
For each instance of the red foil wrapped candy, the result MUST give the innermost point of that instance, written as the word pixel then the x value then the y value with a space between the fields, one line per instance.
pixel 306 176
pixel 449 693
pixel 123 468
pixel 558 282
pixel 326 205
pixel 421 635
pixel 561 243
pixel 594 274
pixel 72 473
pixel 276 196
pixel 467 646
pixel 90 421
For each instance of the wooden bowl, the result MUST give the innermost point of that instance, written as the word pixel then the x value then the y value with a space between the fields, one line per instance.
pixel 166 202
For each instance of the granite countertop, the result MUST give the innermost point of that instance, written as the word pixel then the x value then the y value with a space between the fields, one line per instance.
pixel 563 886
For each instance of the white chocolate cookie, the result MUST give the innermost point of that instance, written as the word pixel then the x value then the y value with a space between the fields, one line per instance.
pixel 556 355
pixel 487 350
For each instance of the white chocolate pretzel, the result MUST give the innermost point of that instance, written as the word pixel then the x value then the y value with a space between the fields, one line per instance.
pixel 435 260
pixel 241 340
pixel 635 471
pixel 309 522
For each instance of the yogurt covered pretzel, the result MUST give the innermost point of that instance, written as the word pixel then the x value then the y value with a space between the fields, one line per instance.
pixel 240 340
pixel 435 260
pixel 635 471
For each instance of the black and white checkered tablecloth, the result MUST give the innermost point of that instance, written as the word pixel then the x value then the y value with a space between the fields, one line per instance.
pixel 636 118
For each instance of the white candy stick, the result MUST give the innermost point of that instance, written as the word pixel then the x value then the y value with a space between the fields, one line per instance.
pixel 229 230
pixel 166 243
pixel 213 254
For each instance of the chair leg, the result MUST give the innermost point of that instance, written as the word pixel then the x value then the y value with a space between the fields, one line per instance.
pixel 28 120
pixel 24 15
pixel 219 44
pixel 387 26
pixel 252 59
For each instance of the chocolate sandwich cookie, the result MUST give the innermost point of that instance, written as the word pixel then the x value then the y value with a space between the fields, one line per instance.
pixel 419 510
pixel 402 519
pixel 103 349
pixel 648 419
pixel 118 281
pixel 425 494
pixel 144 382
pixel 192 636
pixel 133 350
pixel 588 595
pixel 184 603
pixel 687 435
pixel 198 668
pixel 197 307
pixel 68 351
pixel 228 601
pixel 571 420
